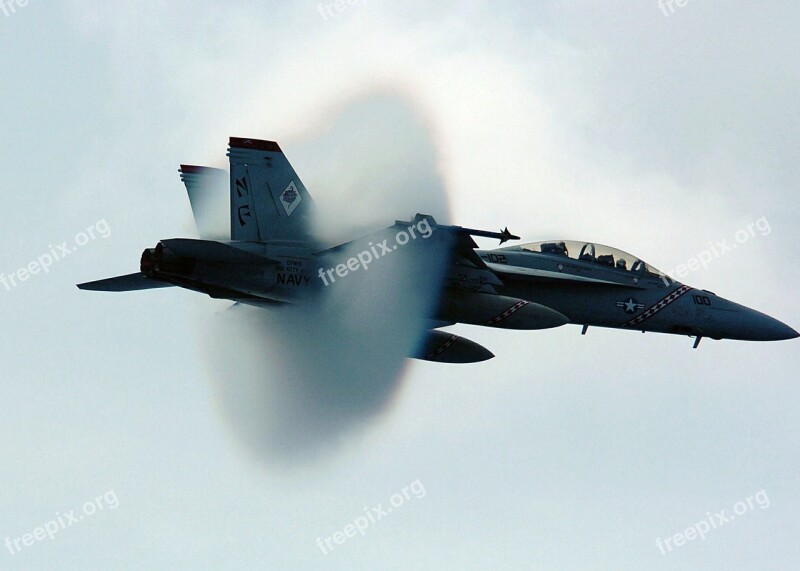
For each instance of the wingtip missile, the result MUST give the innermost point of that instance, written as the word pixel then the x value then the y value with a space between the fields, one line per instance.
pixel 505 236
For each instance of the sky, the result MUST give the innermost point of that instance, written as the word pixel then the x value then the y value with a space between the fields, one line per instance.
pixel 656 128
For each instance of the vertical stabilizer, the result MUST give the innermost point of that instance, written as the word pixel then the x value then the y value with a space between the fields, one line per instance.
pixel 268 200
pixel 207 190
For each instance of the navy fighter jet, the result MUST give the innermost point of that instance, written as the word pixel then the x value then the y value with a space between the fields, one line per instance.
pixel 272 257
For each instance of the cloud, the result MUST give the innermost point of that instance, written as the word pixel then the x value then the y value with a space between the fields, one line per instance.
pixel 295 380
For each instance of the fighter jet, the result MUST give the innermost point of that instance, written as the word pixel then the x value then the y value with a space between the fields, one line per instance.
pixel 271 257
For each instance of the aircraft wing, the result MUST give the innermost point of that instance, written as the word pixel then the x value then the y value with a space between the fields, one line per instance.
pixel 467 270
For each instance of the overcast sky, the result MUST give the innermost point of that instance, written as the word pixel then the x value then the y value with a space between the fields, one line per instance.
pixel 657 129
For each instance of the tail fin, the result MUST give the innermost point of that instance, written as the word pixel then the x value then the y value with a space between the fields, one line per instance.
pixel 206 187
pixel 268 200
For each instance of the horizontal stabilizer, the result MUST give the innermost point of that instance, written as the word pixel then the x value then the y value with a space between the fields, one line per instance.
pixel 130 282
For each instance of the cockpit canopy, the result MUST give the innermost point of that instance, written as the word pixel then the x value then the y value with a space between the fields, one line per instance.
pixel 589 252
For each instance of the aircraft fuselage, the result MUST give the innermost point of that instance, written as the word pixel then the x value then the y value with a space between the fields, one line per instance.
pixel 596 294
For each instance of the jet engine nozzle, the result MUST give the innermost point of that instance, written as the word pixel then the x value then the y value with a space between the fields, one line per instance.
pixel 160 260
pixel 146 265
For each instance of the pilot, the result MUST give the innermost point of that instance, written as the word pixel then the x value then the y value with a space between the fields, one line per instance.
pixel 622 264
pixel 561 248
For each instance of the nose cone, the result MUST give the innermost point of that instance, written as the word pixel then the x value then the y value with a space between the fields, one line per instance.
pixel 765 328
pixel 752 325
pixel 724 319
